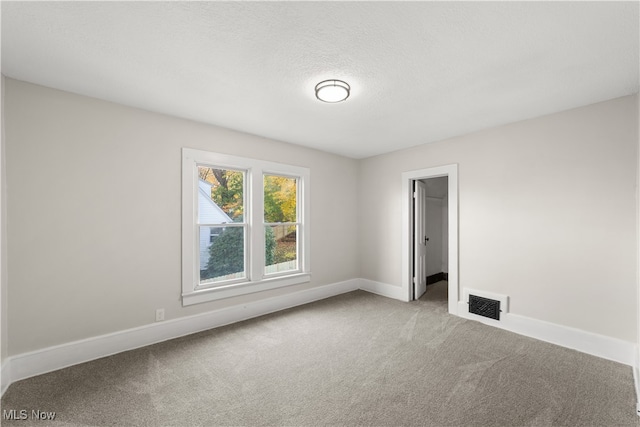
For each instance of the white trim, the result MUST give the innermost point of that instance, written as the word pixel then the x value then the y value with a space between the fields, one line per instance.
pixel 49 359
pixel 450 171
pixel 5 376
pixel 220 292
pixel 586 342
pixel 61 356
pixel 384 289
pixel 256 279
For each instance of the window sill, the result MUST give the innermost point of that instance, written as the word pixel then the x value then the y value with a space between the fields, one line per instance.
pixel 237 289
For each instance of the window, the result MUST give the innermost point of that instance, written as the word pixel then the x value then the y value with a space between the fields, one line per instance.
pixel 221 218
pixel 281 224
pixel 244 225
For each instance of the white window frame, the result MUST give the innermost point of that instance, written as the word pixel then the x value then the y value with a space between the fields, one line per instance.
pixel 297 223
pixel 257 280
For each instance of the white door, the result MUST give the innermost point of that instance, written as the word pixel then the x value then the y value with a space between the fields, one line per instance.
pixel 420 240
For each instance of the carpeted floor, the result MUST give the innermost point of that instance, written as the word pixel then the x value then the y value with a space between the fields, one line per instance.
pixel 355 359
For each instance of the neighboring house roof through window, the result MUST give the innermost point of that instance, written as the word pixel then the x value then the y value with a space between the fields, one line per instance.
pixel 209 211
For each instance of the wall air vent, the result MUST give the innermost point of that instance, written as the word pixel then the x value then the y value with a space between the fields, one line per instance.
pixel 484 307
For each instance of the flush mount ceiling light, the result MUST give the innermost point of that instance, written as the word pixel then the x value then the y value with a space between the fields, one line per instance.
pixel 332 91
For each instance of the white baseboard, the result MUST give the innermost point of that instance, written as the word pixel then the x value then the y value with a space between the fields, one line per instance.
pixel 383 289
pixel 586 342
pixel 61 356
pixel 5 377
pixel 50 359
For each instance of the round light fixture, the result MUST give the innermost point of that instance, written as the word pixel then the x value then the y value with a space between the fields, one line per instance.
pixel 332 91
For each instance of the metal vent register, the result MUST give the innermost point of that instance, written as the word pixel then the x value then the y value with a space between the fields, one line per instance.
pixel 484 307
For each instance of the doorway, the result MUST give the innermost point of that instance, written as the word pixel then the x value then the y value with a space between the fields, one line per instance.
pixel 431 238
pixel 430 254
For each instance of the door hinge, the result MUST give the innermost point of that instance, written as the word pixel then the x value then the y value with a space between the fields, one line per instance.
pixel 415 194
pixel 414 280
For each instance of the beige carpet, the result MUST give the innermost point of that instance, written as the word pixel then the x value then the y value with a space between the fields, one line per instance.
pixel 355 359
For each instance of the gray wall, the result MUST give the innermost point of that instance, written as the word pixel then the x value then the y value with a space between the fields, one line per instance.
pixel 547 214
pixel 94 197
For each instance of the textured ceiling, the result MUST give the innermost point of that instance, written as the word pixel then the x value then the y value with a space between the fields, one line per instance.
pixel 419 71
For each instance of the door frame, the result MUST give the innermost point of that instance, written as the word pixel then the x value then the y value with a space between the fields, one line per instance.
pixel 450 171
pixel 418 232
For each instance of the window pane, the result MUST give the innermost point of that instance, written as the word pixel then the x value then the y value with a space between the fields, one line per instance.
pixel 281 248
pixel 220 195
pixel 280 199
pixel 221 254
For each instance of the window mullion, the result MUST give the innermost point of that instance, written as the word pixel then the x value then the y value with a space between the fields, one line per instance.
pixel 303 220
pixel 189 232
pixel 256 228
